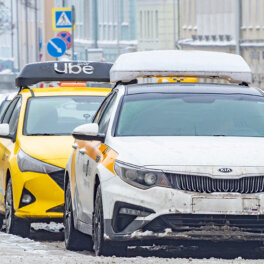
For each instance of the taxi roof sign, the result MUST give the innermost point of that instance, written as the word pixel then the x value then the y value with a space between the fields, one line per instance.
pixel 63 71
pixel 179 63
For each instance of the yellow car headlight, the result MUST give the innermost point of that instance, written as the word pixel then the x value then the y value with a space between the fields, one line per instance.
pixel 28 163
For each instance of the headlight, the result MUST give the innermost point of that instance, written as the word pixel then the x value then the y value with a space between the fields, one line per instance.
pixel 139 176
pixel 27 163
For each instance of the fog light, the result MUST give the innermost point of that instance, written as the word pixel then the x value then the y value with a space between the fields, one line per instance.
pixel 150 178
pixel 129 211
pixel 26 198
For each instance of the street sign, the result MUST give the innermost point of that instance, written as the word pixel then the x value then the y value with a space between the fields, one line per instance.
pixel 67 37
pixel 62 19
pixel 56 47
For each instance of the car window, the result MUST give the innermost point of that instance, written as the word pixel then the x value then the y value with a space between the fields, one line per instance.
pixel 105 118
pixel 3 107
pixel 9 111
pixel 14 118
pixel 59 115
pixel 102 107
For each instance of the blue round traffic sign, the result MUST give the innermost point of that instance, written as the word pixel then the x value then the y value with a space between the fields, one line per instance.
pixel 56 47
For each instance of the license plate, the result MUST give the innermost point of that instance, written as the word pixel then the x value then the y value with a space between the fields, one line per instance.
pixel 225 205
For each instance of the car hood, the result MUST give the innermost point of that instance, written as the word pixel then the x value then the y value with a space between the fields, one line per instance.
pixel 198 153
pixel 51 149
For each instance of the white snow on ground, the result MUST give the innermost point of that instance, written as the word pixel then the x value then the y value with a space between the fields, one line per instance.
pixel 51 227
pixel 15 250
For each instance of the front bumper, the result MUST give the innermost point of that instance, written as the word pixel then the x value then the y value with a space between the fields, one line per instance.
pixel 183 215
pixel 48 193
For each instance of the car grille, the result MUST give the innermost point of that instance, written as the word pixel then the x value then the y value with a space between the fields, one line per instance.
pixel 204 184
pixel 58 177
pixel 189 222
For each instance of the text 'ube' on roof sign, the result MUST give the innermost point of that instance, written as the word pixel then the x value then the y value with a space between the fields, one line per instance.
pixel 63 71
pixel 62 19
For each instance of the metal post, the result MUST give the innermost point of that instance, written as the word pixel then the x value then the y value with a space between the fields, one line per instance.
pixel 95 23
pixel 118 27
pixel 26 25
pixel 18 37
pixel 73 23
pixel 238 25
pixel 12 34
pixel 174 24
pixel 36 30
pixel 179 22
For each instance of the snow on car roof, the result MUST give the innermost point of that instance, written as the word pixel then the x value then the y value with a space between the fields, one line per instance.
pixel 204 64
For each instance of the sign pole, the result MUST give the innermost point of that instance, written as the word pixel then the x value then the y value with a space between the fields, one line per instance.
pixel 73 24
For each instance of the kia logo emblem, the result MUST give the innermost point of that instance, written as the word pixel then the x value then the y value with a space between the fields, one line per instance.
pixel 225 170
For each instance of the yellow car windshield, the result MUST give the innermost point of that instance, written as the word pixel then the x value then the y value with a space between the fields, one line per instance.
pixel 59 115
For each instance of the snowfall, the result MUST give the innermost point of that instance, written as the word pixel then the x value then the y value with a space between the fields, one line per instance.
pixel 46 245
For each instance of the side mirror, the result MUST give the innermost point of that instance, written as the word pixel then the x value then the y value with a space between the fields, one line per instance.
pixel 4 130
pixel 88 132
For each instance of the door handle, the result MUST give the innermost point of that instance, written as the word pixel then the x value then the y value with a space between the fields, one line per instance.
pixel 82 150
pixel 75 145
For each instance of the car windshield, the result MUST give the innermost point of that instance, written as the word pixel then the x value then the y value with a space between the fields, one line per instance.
pixel 160 114
pixel 59 115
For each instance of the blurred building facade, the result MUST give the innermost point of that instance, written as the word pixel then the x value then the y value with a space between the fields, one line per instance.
pixel 104 28
pixel 235 26
pixel 157 26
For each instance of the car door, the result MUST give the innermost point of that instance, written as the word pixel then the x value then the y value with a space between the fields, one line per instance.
pixel 10 117
pixel 87 159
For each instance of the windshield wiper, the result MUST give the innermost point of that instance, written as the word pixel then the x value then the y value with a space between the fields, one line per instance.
pixel 41 134
pixel 219 135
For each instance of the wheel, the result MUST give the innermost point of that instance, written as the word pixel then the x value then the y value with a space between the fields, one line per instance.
pixel 1 221
pixel 74 239
pixel 101 247
pixel 14 225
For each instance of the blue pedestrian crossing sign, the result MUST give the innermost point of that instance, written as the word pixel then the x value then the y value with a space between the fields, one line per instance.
pixel 62 19
pixel 56 47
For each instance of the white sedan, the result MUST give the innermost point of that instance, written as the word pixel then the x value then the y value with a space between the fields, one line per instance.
pixel 166 161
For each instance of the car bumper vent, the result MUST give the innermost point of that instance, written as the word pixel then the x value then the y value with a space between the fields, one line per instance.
pixel 58 177
pixel 204 184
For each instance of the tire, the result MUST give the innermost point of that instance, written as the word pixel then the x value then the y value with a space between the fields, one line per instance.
pixel 1 221
pixel 101 247
pixel 14 225
pixel 74 239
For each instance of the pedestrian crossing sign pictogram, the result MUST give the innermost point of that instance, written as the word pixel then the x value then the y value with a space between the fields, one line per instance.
pixel 62 19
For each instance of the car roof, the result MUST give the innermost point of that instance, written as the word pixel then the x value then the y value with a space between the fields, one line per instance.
pixel 65 91
pixel 202 88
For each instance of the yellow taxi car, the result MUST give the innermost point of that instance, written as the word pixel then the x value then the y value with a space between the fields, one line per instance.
pixel 36 141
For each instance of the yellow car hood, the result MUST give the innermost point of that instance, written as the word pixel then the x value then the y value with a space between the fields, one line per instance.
pixel 50 149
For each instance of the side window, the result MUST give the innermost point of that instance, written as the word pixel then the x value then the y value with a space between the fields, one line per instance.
pixel 14 118
pixel 9 111
pixel 105 118
pixel 102 107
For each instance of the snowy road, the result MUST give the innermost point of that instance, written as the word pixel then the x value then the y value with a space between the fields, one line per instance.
pixel 46 246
